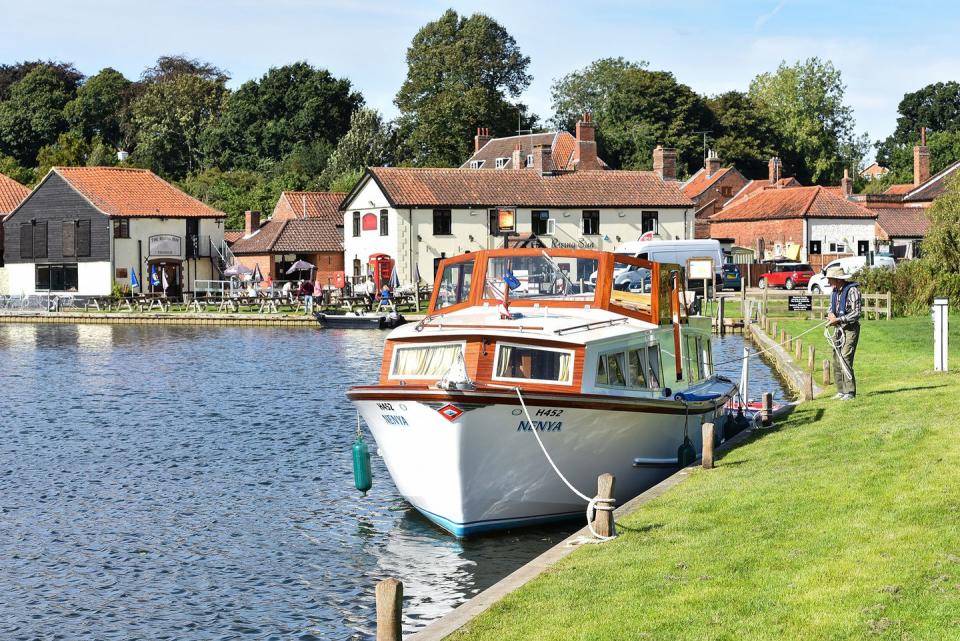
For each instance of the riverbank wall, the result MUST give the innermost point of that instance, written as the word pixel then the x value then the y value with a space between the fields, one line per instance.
pixel 105 318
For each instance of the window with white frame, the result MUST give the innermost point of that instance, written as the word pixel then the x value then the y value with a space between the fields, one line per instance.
pixel 425 361
pixel 529 160
pixel 501 163
pixel 533 364
pixel 476 164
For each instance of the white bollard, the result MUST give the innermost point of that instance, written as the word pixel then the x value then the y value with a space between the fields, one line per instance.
pixel 745 376
pixel 941 322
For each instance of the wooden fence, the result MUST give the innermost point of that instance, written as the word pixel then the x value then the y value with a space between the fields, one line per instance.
pixel 875 306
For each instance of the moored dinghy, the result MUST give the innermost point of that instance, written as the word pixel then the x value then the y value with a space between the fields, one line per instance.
pixel 517 340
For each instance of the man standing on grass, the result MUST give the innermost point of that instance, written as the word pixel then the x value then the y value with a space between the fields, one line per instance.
pixel 844 316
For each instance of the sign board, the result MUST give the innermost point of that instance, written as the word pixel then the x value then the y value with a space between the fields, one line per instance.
pixel 700 268
pixel 506 220
pixel 800 303
pixel 164 245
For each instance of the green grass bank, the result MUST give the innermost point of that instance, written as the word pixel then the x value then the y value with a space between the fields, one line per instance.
pixel 841 522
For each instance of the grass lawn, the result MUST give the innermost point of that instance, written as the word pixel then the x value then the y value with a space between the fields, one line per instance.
pixel 842 522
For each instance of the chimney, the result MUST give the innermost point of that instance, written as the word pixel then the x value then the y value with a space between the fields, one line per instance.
pixel 665 162
pixel 846 185
pixel 712 164
pixel 585 153
pixel 773 170
pixel 543 159
pixel 252 222
pixel 518 161
pixel 483 137
pixel 921 160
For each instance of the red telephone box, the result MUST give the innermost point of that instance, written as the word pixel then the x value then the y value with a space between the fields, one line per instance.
pixel 339 278
pixel 382 267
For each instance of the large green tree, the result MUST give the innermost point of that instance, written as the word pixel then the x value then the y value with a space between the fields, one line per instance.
pixel 295 110
pixel 234 192
pixel 10 74
pixel 941 246
pixel 461 73
pixel 369 142
pixel 101 108
pixel 33 114
pixel 741 134
pixel 805 102
pixel 935 107
pixel 170 118
pixel 635 109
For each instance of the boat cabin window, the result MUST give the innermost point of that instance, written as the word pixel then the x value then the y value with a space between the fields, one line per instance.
pixel 540 278
pixel 632 285
pixel 455 284
pixel 424 361
pixel 698 358
pixel 524 363
pixel 637 368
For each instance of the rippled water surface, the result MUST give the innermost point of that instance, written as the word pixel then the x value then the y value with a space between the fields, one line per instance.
pixel 195 483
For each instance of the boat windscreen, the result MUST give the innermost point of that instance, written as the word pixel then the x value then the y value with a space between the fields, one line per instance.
pixel 541 277
pixel 455 284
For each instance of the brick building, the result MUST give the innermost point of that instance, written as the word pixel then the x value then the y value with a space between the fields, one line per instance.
pixel 710 188
pixel 304 226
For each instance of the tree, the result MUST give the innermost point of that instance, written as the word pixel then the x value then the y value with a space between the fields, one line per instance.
pixel 33 114
pixel 101 107
pixel 295 109
pixel 635 109
pixel 941 246
pixel 804 101
pixel 10 74
pixel 935 107
pixel 169 67
pixel 10 168
pixel 460 73
pixel 741 134
pixel 170 118
pixel 369 142
pixel 234 192
pixel 70 150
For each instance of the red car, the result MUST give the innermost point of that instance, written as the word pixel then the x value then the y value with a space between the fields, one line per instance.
pixel 787 275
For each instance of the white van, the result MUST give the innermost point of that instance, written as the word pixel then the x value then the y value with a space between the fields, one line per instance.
pixel 668 251
pixel 819 284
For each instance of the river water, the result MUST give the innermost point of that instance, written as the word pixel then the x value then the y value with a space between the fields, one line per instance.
pixel 161 482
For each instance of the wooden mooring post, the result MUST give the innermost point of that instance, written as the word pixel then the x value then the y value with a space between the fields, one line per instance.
pixel 808 387
pixel 767 415
pixel 798 349
pixel 783 336
pixel 811 357
pixel 603 519
pixel 389 595
pixel 826 371
pixel 721 316
pixel 707 460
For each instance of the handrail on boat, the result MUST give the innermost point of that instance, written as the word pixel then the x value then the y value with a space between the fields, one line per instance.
pixel 588 326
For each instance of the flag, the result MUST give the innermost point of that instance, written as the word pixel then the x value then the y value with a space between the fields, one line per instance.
pixel 154 279
pixel 134 283
pixel 512 281
pixel 163 275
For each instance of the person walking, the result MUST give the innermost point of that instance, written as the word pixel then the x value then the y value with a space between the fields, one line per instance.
pixel 844 316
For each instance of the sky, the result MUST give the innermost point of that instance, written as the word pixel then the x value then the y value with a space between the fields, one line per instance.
pixel 882 48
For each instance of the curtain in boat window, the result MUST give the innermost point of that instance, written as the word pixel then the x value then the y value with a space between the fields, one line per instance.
pixel 430 361
pixel 533 364
pixel 654 373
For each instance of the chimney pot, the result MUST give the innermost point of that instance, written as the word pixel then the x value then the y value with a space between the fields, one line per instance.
pixel 773 169
pixel 712 163
pixel 846 185
pixel 585 152
pixel 518 161
pixel 482 138
pixel 251 222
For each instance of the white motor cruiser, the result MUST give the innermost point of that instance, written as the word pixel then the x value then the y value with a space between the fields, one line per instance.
pixel 613 378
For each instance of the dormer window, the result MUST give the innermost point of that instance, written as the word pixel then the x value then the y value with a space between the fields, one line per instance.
pixel 529 160
pixel 502 162
pixel 476 164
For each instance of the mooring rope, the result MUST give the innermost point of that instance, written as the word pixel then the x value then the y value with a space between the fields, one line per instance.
pixel 593 504
pixel 767 349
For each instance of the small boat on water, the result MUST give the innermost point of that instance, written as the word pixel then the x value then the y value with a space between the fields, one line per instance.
pixel 611 379
pixel 361 320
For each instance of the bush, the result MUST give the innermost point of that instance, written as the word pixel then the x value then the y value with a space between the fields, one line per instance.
pixel 914 285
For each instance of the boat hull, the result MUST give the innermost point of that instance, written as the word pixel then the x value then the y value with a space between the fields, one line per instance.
pixel 471 463
pixel 360 321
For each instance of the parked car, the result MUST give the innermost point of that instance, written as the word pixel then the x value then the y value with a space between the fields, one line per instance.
pixel 787 275
pixel 731 277
pixel 851 264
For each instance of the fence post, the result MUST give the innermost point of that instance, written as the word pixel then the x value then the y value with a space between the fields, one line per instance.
pixel 889 305
pixel 808 387
pixel 826 371
pixel 783 336
pixel 707 460
pixel 811 357
pixel 798 349
pixel 603 519
pixel 389 594
pixel 721 315
pixel 767 415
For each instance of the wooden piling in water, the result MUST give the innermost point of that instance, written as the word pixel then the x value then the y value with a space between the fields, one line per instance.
pixel 826 371
pixel 389 594
pixel 603 519
pixel 767 416
pixel 707 460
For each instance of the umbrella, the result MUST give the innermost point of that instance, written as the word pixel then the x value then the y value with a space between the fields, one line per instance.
pixel 394 278
pixel 257 276
pixel 236 269
pixel 299 266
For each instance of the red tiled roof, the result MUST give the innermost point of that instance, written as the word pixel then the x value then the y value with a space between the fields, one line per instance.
pixel 755 186
pixel 308 204
pixel 900 189
pixel 934 187
pixel 700 181
pixel 292 236
pixel 119 191
pixel 903 222
pixel 12 194
pixel 562 144
pixel 795 202
pixel 260 241
pixel 232 235
pixel 409 187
